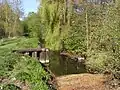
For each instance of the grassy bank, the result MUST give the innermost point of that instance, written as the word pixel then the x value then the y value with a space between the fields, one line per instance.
pixel 16 69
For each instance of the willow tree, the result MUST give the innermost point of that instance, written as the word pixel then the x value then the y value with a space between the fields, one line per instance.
pixel 55 16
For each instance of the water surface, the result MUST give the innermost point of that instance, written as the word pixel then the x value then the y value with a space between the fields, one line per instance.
pixel 61 65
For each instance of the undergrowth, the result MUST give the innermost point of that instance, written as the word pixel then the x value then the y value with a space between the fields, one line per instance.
pixel 15 67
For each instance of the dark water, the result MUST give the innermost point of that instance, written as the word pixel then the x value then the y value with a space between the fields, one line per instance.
pixel 61 65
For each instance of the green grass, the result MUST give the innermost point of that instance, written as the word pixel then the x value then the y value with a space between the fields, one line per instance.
pixel 19 43
pixel 18 67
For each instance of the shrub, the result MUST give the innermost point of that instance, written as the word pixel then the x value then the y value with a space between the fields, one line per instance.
pixel 18 67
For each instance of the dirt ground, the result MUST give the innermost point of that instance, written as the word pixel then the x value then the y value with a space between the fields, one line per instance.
pixel 82 82
pixel 22 85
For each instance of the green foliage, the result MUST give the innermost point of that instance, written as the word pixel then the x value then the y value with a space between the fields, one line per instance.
pixel 10 13
pixel 91 32
pixel 55 20
pixel 104 43
pixel 6 62
pixel 23 68
pixel 17 43
pixel 76 35
pixel 10 87
pixel 97 62
pixel 31 25
pixel 28 69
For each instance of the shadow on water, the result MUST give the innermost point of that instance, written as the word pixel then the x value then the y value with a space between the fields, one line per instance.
pixel 61 65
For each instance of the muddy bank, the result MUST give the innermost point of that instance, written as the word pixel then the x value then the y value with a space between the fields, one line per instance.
pixel 83 82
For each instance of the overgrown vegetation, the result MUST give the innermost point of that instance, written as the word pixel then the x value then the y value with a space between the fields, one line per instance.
pixel 10 12
pixel 89 28
pixel 86 28
pixel 15 67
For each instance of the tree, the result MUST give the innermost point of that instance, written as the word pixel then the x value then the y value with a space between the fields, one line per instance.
pixel 32 25
pixel 104 48
pixel 55 17
pixel 9 18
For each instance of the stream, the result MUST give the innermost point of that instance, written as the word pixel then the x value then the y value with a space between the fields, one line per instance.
pixel 62 65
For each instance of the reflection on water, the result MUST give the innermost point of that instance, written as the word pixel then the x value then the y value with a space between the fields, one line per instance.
pixel 61 65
